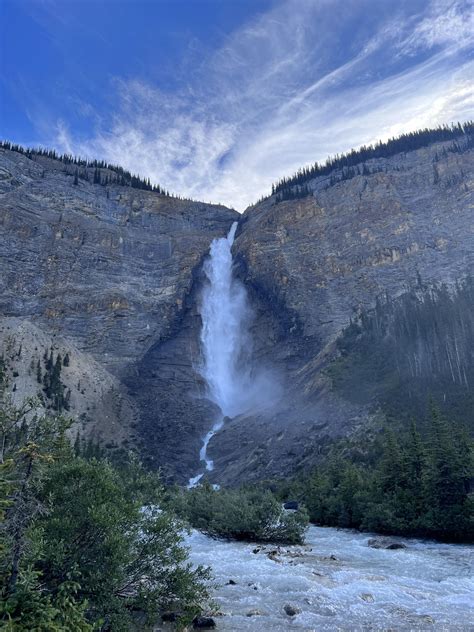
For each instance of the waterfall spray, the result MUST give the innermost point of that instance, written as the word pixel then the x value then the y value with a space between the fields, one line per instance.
pixel 226 345
pixel 223 313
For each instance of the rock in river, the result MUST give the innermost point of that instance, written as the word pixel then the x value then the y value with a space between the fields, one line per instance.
pixel 385 543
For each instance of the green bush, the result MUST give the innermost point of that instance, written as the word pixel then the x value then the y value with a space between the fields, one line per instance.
pixel 83 545
pixel 251 515
pixel 31 609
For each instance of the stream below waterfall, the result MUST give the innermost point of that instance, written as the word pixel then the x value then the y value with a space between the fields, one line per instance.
pixel 338 582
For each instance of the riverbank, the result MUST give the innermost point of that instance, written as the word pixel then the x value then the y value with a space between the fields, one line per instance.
pixel 337 582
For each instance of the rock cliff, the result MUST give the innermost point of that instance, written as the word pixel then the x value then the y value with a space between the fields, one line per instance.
pixel 103 273
pixel 313 263
pixel 110 277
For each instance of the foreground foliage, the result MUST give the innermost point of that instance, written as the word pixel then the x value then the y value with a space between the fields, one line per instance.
pixel 251 515
pixel 83 545
pixel 412 484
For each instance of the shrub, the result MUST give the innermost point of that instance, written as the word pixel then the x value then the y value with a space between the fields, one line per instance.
pixel 78 551
pixel 251 515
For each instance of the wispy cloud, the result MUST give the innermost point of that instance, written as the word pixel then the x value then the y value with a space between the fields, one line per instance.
pixel 307 79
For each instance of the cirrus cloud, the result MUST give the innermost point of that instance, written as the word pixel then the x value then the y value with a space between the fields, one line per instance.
pixel 304 80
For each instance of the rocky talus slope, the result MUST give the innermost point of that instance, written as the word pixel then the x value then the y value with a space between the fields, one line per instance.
pixel 110 276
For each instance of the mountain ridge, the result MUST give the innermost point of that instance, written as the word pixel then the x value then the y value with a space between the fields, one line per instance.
pixel 113 272
pixel 99 171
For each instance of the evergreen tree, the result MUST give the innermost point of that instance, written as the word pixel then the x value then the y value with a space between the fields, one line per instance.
pixel 448 470
pixel 414 484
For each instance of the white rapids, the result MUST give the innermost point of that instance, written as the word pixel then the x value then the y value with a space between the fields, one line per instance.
pixel 427 586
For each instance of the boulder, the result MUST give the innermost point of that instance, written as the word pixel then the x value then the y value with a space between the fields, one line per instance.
pixel 273 555
pixel 290 610
pixel 367 597
pixel 325 610
pixel 170 616
pixel 204 623
pixel 385 543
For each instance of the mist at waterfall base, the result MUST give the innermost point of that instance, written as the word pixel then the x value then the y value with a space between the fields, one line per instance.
pixel 233 382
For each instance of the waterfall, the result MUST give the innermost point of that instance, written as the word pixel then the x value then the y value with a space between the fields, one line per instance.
pixel 223 313
pixel 224 340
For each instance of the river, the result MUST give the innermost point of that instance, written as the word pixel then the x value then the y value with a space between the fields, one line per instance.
pixel 337 582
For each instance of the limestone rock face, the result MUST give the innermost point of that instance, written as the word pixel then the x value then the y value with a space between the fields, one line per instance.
pixel 111 276
pixel 326 255
pixel 311 264
pixel 111 266
pixel 106 269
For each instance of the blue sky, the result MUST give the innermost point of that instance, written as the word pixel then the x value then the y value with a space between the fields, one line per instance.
pixel 216 99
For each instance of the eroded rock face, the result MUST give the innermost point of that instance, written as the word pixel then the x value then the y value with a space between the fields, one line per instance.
pixel 311 264
pixel 96 399
pixel 325 256
pixel 111 266
pixel 108 269
pixel 112 276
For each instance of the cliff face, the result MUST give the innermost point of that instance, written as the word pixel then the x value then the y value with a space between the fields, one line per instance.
pixel 312 264
pixel 328 254
pixel 104 272
pixel 110 276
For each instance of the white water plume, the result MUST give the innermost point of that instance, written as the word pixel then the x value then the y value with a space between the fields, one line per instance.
pixel 224 312
pixel 233 384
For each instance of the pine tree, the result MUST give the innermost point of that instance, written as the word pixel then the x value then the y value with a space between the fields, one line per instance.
pixel 391 470
pixel 448 469
pixel 77 444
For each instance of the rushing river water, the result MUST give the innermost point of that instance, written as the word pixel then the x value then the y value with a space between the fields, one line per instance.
pixel 425 586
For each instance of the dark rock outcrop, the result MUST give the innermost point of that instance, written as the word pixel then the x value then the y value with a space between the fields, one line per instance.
pixel 290 610
pixel 385 543
pixel 204 623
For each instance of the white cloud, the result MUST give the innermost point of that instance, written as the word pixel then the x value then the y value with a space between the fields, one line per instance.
pixel 286 90
pixel 448 22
